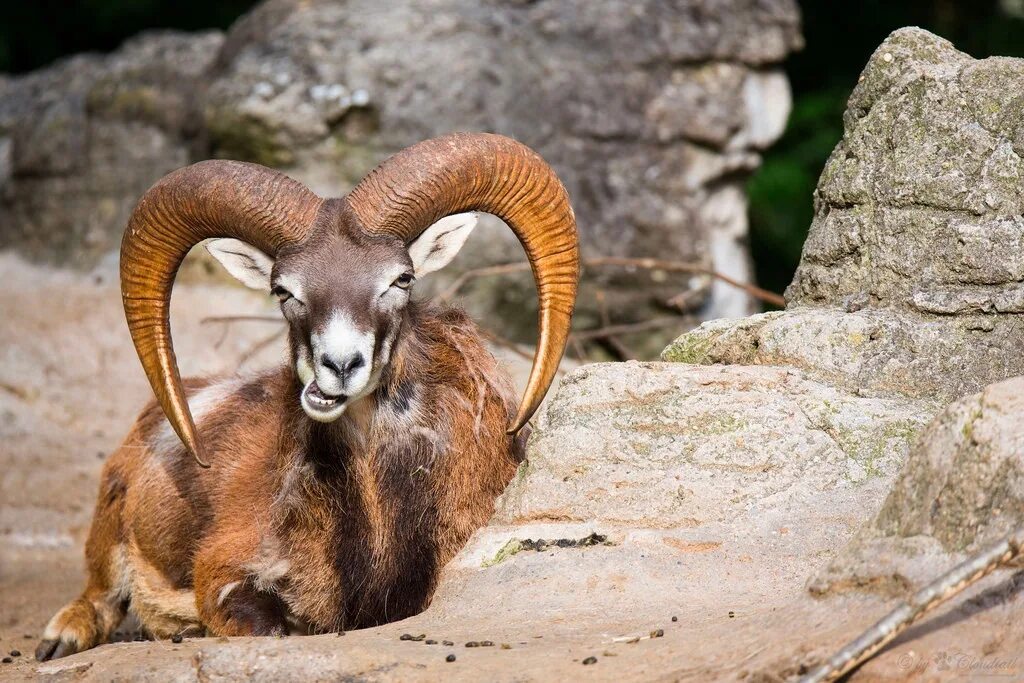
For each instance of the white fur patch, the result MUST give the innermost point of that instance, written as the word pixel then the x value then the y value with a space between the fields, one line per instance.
pixel 165 441
pixel 268 567
pixel 226 591
pixel 340 341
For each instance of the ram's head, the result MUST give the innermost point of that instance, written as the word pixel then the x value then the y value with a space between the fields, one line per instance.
pixel 343 268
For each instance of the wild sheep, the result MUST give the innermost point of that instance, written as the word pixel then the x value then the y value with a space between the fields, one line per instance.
pixel 341 482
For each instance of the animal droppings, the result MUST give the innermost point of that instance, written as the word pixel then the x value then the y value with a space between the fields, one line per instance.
pixel 7 660
pixel 486 643
pixel 431 642
pixel 15 653
pixel 450 658
pixel 506 646
pixel 541 544
pixel 176 638
pixel 731 614
pixel 448 643
pixel 658 633
pixel 472 643
pixel 675 618
pixel 589 660
pixel 405 636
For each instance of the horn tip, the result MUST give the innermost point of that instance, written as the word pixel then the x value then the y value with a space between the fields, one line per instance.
pixel 518 423
pixel 197 455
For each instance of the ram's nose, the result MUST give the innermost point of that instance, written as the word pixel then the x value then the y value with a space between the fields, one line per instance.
pixel 342 367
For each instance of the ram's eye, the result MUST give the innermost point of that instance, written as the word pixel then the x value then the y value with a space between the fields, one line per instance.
pixel 404 281
pixel 281 293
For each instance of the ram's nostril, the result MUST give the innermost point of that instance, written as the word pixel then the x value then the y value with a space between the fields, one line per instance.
pixel 354 363
pixel 326 361
pixel 343 368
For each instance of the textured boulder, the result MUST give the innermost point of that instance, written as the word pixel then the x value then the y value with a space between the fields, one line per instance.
pixel 652 114
pixel 921 206
pixel 872 352
pixel 961 489
pixel 910 288
pixel 912 276
pixel 81 141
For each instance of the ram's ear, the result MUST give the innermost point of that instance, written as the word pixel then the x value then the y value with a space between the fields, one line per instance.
pixel 438 244
pixel 246 263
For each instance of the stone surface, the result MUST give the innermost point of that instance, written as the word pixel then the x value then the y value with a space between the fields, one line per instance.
pixel 653 114
pixel 961 490
pixel 874 352
pixel 82 140
pixel 713 491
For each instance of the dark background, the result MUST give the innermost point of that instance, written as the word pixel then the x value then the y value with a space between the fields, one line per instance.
pixel 840 37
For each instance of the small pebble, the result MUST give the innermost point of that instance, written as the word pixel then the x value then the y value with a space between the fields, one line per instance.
pixel 7 660
pixel 472 643
pixel 675 618
pixel 447 642
pixel 589 660
pixel 176 638
pixel 340 634
pixel 486 643
pixel 450 658
pixel 15 653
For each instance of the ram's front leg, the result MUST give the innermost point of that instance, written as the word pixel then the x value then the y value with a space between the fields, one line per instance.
pixel 228 599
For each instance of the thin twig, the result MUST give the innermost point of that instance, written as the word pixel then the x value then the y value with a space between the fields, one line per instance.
pixel 934 594
pixel 614 344
pixel 259 346
pixel 645 263
pixel 241 318
pixel 625 328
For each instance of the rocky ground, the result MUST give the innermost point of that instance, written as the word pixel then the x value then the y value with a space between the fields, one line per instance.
pixel 714 493
pixel 735 512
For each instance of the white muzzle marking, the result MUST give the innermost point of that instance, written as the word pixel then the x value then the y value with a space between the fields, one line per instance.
pixel 325 394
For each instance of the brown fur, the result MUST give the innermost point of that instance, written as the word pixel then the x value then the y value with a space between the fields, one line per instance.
pixel 330 526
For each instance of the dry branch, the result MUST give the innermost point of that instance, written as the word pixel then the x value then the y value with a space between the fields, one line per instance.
pixel 625 328
pixel 644 263
pixel 934 594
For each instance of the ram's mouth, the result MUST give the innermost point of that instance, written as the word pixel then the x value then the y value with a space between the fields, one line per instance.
pixel 320 405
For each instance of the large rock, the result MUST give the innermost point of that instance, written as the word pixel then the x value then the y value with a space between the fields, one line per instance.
pixel 920 206
pixel 912 276
pixel 653 114
pixel 82 140
pixel 667 519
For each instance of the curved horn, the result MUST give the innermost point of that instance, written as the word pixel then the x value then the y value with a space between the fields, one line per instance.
pixel 208 199
pixel 491 173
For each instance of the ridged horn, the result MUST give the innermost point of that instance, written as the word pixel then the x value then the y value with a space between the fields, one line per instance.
pixel 209 199
pixel 491 173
